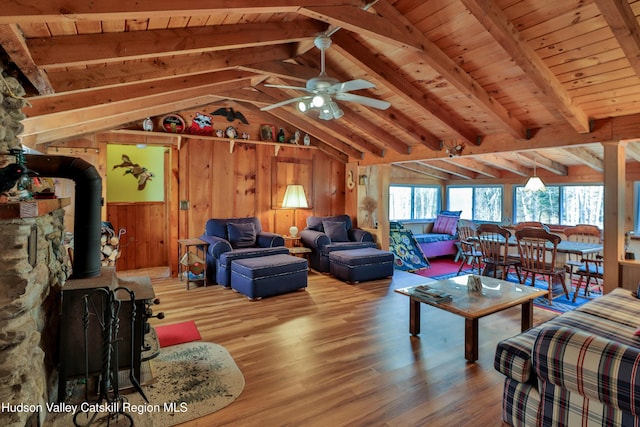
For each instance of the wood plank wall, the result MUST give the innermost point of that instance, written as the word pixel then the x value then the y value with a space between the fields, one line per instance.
pixel 145 243
pixel 216 183
pixel 220 184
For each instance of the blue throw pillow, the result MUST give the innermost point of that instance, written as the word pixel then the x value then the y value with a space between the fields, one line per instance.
pixel 337 231
pixel 451 213
pixel 241 235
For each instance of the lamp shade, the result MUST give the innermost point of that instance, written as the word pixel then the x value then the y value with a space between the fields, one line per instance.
pixel 534 184
pixel 294 197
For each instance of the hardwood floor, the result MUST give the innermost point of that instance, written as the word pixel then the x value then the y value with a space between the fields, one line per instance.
pixel 339 354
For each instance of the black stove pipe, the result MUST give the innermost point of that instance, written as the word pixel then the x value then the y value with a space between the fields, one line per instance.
pixel 88 205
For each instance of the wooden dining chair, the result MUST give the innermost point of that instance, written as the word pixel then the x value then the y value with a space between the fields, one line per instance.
pixel 538 250
pixel 584 233
pixel 494 246
pixel 530 224
pixel 468 241
pixel 592 268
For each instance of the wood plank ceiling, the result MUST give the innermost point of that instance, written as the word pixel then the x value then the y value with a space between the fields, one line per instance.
pixel 509 81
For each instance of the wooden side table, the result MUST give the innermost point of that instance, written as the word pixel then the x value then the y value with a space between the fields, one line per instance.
pixel 302 252
pixel 295 240
pixel 199 248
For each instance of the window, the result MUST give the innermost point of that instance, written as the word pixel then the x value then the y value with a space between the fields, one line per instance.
pixel 476 203
pixel 408 202
pixel 561 204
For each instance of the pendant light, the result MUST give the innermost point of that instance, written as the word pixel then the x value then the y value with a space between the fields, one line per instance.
pixel 535 183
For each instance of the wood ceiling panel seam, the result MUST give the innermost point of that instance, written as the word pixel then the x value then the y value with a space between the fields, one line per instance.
pixel 599 72
pixel 549 14
pixel 562 22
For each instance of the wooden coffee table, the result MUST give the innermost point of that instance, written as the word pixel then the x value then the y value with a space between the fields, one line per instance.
pixel 496 295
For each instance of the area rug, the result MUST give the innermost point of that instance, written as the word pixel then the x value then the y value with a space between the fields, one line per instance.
pixel 188 381
pixel 192 380
pixel 444 268
pixel 178 333
pixel 561 303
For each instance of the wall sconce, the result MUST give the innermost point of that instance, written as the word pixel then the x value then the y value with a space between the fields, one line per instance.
pixel 362 179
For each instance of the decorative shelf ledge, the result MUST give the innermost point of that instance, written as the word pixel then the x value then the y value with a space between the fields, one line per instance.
pixel 31 208
pixel 232 143
pixel 143 137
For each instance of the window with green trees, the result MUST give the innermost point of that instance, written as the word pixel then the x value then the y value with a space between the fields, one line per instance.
pixel 478 203
pixel 561 204
pixel 407 202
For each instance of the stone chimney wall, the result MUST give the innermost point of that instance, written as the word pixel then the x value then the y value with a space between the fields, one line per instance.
pixel 30 280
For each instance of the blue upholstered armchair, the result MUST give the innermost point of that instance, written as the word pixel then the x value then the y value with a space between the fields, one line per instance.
pixel 332 233
pixel 236 238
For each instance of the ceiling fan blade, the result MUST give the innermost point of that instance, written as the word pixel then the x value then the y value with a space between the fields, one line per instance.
pixel 287 87
pixel 280 104
pixel 351 85
pixel 370 102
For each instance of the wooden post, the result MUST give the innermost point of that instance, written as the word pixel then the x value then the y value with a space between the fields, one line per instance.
pixel 614 203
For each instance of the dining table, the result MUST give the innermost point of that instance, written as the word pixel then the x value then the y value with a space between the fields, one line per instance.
pixel 569 247
pixel 565 248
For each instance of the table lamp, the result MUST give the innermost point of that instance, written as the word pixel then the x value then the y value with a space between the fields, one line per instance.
pixel 294 198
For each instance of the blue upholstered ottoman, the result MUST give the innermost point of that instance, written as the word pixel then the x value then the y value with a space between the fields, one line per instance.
pixel 359 265
pixel 268 275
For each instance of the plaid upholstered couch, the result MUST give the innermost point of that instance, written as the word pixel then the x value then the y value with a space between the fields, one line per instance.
pixel 580 368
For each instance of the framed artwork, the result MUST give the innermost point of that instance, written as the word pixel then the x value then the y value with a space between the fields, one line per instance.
pixel 267 132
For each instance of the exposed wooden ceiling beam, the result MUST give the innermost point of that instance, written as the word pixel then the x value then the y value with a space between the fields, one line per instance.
pixel 424 170
pixel 99 48
pixel 49 104
pixel 283 69
pixel 552 95
pixel 113 118
pixel 29 11
pixel 15 46
pixel 585 156
pixel 449 168
pixel 112 74
pixel 473 165
pixel 399 31
pixel 373 131
pixel 371 63
pixel 625 27
pixel 543 162
pixel 506 164
pixel 633 150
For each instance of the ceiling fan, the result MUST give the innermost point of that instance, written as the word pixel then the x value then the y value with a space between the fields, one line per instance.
pixel 323 89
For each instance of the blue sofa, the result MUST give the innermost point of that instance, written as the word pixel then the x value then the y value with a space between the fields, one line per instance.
pixel 340 236
pixel 236 238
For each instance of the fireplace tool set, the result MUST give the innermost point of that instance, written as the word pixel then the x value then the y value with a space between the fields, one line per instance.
pixel 106 313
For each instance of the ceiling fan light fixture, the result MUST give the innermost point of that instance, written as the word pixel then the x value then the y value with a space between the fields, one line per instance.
pixel 325 113
pixel 336 111
pixel 303 106
pixel 318 101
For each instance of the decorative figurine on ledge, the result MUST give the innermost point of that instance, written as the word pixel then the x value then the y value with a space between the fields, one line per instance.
pixel 281 136
pixel 230 114
pixel 295 139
